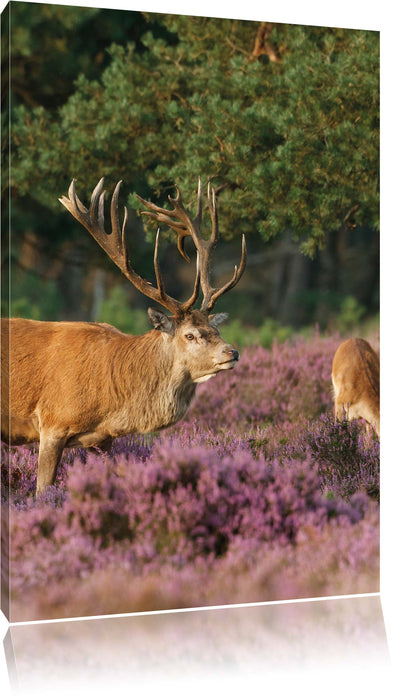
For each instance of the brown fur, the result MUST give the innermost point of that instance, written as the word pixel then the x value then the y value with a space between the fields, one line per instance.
pixel 355 377
pixel 83 384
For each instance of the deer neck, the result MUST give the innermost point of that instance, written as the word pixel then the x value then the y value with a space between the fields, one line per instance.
pixel 157 383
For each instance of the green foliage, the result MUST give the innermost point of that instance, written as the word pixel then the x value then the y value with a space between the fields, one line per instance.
pixel 51 44
pixel 153 99
pixel 271 330
pixel 294 143
pixel 32 297
pixel 117 311
pixel 241 335
pixel 351 313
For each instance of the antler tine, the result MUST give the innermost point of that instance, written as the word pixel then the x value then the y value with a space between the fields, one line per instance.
pixel 212 202
pixel 164 215
pixel 189 303
pixel 87 217
pixel 177 219
pixel 199 209
pixel 184 225
pixel 196 289
pixel 100 213
pixel 117 232
pixel 206 247
pixel 74 205
pixel 114 244
pixel 157 268
pixel 97 196
pixel 211 294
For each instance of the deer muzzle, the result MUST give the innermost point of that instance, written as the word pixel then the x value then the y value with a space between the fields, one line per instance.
pixel 231 357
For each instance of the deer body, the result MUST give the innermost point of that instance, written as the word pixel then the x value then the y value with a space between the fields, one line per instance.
pixel 84 384
pixel 69 384
pixel 355 378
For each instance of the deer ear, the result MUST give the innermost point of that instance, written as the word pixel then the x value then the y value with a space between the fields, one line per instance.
pixel 161 322
pixel 216 319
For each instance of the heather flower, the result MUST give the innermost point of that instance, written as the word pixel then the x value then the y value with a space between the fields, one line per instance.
pixel 179 506
pixel 347 456
pixel 257 494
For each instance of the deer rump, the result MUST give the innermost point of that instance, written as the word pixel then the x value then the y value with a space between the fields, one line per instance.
pixel 68 384
pixel 356 382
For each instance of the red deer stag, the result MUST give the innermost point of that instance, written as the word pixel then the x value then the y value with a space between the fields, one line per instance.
pixel 355 378
pixel 72 384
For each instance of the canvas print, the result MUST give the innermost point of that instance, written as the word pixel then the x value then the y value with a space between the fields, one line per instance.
pixel 190 311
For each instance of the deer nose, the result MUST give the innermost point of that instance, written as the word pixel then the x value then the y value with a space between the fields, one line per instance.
pixel 234 354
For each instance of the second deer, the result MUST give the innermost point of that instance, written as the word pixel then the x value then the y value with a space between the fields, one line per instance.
pixel 355 378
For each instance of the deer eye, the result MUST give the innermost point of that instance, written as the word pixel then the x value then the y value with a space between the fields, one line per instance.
pixel 189 336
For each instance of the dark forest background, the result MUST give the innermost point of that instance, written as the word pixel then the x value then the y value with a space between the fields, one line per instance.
pixel 282 119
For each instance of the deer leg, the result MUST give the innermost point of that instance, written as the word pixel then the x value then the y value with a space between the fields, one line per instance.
pixel 339 411
pixel 50 452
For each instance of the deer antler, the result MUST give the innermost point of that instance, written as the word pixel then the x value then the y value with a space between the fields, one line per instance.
pixel 114 244
pixel 179 220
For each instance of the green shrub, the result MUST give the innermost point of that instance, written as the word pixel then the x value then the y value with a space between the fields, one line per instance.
pixel 238 334
pixel 351 312
pixel 31 296
pixel 116 310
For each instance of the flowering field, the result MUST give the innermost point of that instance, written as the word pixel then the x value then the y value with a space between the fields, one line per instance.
pixel 256 495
